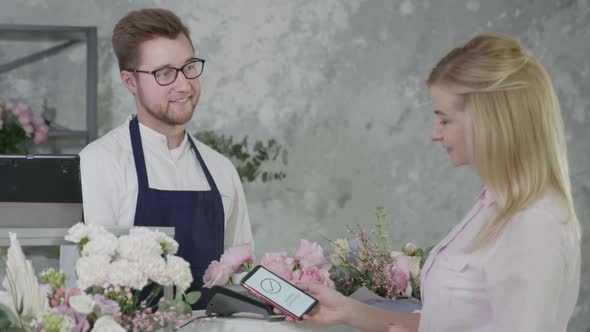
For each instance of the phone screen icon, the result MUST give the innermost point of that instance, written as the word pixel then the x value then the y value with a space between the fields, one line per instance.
pixel 270 286
pixel 279 291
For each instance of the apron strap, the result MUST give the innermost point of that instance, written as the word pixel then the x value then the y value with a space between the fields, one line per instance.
pixel 138 156
pixel 212 184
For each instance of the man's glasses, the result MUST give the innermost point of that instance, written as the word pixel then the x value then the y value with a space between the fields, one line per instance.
pixel 167 75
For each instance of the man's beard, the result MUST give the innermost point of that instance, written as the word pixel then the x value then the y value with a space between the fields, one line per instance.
pixel 164 116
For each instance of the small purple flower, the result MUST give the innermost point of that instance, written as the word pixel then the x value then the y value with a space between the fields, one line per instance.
pixel 82 324
pixel 106 306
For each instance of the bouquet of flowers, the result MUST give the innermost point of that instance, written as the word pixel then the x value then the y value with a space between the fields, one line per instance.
pixel 111 273
pixel 308 264
pixel 19 126
pixel 367 261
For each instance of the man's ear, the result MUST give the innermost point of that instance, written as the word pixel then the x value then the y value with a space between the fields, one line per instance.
pixel 129 81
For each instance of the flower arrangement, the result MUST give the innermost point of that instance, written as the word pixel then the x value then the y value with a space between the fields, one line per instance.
pixel 111 273
pixel 308 264
pixel 367 261
pixel 19 127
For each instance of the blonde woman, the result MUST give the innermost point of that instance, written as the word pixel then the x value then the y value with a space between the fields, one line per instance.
pixel 513 263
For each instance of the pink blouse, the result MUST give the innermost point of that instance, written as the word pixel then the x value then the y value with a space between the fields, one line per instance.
pixel 526 280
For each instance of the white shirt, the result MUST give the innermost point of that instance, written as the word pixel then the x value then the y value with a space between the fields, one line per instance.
pixel 526 280
pixel 110 187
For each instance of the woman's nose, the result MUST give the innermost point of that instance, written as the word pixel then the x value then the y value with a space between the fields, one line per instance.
pixel 435 133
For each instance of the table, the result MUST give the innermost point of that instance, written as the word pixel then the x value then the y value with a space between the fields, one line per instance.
pixel 252 323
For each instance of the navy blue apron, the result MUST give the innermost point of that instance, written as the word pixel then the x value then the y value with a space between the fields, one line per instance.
pixel 197 216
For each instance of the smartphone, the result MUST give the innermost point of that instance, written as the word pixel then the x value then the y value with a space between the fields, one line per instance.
pixel 278 292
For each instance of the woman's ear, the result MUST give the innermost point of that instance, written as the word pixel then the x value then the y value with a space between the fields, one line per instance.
pixel 129 81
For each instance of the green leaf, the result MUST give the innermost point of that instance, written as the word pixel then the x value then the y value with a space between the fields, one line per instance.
pixel 192 297
pixel 21 306
pixel 16 329
pixel 247 160
pixel 4 324
pixel 7 318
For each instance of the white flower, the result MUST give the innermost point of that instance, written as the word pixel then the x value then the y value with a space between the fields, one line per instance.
pixel 155 269
pixel 168 244
pixel 127 273
pixel 23 287
pixel 92 271
pixel 101 244
pixel 135 247
pixel 410 248
pixel 80 230
pixel 68 324
pixel 341 247
pixel 83 303
pixel 180 272
pixel 409 264
pixel 335 259
pixel 107 324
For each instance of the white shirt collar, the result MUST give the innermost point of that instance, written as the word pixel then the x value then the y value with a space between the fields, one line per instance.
pixel 154 140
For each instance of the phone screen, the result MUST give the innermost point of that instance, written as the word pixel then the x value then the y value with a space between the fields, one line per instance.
pixel 279 291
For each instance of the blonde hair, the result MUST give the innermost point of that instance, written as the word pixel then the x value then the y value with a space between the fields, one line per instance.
pixel 515 131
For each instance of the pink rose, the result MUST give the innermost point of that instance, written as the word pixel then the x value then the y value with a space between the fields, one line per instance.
pixel 11 106
pixel 23 108
pixel 237 255
pixel 29 130
pixel 38 120
pixel 310 254
pixel 39 137
pixel 397 279
pixel 24 119
pixel 216 274
pixel 313 275
pixel 279 263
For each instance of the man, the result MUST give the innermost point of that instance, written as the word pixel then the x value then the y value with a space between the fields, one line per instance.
pixel 150 171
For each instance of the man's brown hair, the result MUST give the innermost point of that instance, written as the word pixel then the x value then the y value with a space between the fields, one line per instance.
pixel 139 26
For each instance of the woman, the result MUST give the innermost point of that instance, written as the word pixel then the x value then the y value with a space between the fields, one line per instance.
pixel 513 263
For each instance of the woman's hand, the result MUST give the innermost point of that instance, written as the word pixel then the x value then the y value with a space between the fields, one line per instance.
pixel 333 308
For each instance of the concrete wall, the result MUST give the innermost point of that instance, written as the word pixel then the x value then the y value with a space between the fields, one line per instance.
pixel 340 85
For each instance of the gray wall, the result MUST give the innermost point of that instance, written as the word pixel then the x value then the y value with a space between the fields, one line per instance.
pixel 340 85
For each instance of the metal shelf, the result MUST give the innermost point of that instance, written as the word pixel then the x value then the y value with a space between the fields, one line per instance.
pixel 67 133
pixel 70 36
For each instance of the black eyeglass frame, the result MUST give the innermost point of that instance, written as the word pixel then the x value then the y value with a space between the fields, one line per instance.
pixel 181 69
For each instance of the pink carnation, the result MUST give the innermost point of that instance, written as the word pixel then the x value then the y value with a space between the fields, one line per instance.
pixel 279 263
pixel 310 254
pixel 217 274
pixel 313 275
pixel 237 255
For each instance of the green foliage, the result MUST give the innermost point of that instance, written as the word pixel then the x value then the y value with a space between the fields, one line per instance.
pixel 192 297
pixel 13 139
pixel 7 319
pixel 248 161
